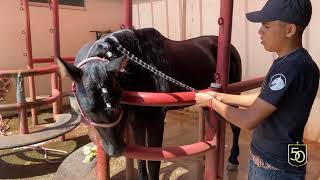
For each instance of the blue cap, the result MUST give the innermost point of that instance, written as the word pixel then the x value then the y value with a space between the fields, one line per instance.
pixel 290 11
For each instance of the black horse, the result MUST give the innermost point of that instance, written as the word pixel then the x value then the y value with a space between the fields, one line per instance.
pixel 99 84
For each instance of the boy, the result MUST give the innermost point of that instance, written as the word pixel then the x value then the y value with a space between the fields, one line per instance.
pixel 280 111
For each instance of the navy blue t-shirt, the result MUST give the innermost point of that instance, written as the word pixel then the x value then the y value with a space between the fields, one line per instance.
pixel 291 86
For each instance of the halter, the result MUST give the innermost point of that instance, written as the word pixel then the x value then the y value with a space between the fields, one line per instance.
pixel 88 120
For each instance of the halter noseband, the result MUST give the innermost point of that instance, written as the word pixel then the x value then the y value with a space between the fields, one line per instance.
pixel 90 122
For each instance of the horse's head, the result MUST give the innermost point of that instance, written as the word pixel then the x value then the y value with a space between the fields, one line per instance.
pixel 98 91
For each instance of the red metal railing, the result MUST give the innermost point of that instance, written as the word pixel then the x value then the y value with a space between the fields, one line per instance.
pixel 30 72
pixel 37 103
pixel 182 98
pixel 244 85
pixel 51 60
pixel 22 105
pixel 158 99
pixel 169 153
pixel 32 89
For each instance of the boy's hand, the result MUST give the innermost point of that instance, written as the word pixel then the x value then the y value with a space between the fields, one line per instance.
pixel 203 98
pixel 216 95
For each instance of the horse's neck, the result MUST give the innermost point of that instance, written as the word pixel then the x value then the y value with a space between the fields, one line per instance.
pixel 151 44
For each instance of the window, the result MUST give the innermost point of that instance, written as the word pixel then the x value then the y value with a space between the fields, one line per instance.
pixel 64 3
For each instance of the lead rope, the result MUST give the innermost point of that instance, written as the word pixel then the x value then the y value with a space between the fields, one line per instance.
pixel 152 69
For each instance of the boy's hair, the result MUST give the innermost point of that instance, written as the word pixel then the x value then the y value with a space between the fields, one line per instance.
pixel 300 29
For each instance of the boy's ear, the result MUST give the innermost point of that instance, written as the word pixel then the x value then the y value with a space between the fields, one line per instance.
pixel 291 30
pixel 69 70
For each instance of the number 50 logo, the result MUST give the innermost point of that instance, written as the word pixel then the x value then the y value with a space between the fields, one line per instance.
pixel 297 154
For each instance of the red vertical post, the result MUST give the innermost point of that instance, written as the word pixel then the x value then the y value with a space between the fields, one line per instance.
pixel 56 54
pixel 127 13
pixel 23 126
pixel 216 161
pixel 28 42
pixel 56 27
pixel 102 166
pixel 224 43
pixel 127 22
pixel 211 159
pixel 56 44
pixel 222 76
pixel 201 137
pixel 183 19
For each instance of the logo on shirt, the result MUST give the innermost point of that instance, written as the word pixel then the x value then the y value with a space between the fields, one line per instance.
pixel 277 82
pixel 297 154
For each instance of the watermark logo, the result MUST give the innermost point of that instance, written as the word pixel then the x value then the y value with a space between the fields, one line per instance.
pixel 297 154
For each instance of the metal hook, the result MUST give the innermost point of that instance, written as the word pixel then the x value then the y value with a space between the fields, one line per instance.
pixel 220 21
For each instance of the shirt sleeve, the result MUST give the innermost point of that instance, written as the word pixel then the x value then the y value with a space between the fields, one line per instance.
pixel 277 84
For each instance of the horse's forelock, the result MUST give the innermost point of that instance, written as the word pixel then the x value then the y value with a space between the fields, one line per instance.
pixel 146 44
pixel 95 74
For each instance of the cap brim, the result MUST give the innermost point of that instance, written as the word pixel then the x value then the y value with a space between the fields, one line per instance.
pixel 256 16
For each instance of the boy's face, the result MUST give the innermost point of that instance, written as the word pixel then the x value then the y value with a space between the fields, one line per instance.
pixel 273 35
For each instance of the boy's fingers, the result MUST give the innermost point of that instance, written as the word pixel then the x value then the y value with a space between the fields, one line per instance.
pixel 219 98
pixel 212 93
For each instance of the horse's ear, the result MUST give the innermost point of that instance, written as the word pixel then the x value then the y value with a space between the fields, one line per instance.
pixel 118 65
pixel 69 70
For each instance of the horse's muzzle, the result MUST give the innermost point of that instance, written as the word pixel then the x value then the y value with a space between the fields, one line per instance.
pixel 114 149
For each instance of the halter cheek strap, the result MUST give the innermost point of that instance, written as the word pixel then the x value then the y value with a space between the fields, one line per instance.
pixel 82 63
pixel 88 120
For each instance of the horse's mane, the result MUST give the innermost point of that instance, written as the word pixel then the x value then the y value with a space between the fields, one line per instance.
pixel 95 73
pixel 146 44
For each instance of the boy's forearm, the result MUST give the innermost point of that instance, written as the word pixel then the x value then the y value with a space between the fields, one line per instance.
pixel 247 118
pixel 237 100
pixel 236 116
